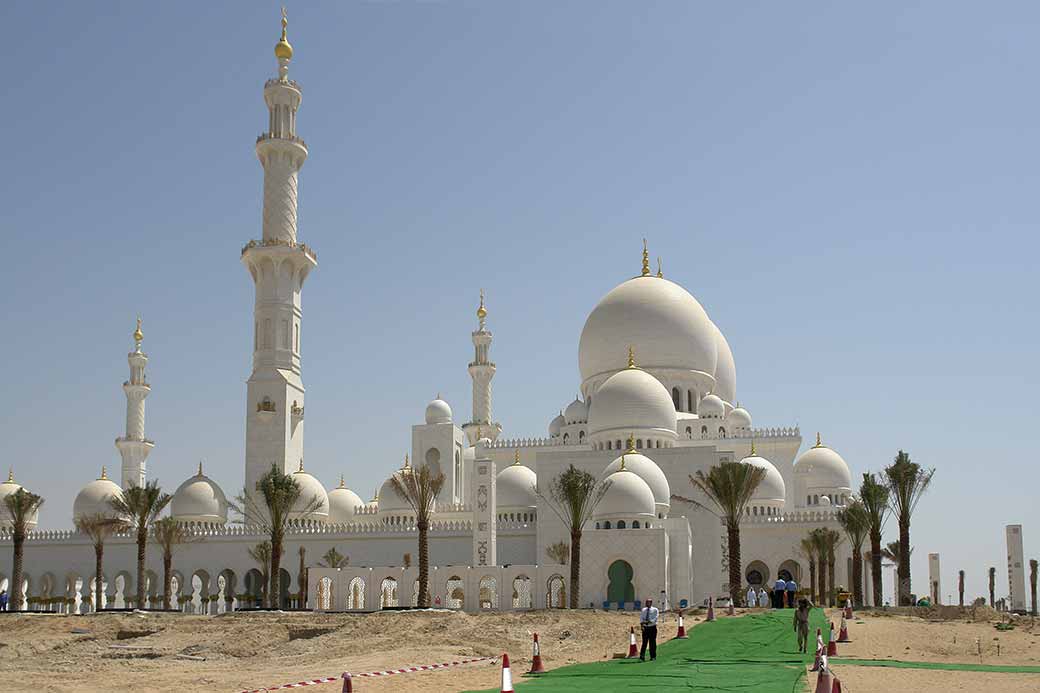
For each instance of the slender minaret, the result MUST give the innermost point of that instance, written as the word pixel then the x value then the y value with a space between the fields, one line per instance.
pixel 482 370
pixel 134 447
pixel 279 265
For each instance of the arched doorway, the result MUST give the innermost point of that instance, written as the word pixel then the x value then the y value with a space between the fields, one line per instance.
pixel 555 593
pixel 790 570
pixel 620 589
pixel 756 573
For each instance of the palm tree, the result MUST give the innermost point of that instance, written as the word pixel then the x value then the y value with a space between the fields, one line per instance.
pixel 301 577
pixel 419 488
pixel 573 495
pixel 992 586
pixel 98 528
pixel 831 541
pixel 333 559
pixel 1032 582
pixel 22 507
pixel 808 549
pixel 140 506
pixel 169 534
pixel 874 496
pixel 558 552
pixel 856 523
pixel 960 587
pixel 270 509
pixel 729 486
pixel 819 544
pixel 261 553
pixel 907 482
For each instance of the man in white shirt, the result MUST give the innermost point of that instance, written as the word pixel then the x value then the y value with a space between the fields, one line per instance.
pixel 648 624
pixel 752 598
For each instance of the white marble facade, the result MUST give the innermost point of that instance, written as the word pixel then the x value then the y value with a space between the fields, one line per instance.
pixel 654 369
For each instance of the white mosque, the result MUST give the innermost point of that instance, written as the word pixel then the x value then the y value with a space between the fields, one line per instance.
pixel 658 401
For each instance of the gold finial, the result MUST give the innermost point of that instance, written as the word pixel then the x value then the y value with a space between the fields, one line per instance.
pixel 646 260
pixel 819 443
pixel 622 464
pixel 480 432
pixel 660 274
pixel 283 49
pixel 752 448
pixel 375 496
pixel 481 310
pixel 342 482
pixel 200 468
pixel 301 466
pixel 407 467
pixel 138 335
pixel 516 457
pixel 631 357
pixel 10 475
pixel 631 442
pixel 104 474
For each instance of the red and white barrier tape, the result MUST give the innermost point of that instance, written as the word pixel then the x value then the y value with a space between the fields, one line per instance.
pixel 373 674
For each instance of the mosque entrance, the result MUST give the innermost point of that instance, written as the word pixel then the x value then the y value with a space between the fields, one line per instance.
pixel 620 589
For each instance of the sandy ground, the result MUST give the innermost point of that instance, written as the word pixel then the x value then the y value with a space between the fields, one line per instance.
pixel 249 651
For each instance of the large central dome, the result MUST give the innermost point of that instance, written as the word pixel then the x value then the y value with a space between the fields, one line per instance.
pixel 665 324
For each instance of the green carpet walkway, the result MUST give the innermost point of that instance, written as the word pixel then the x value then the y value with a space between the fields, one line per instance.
pixel 757 653
pixel 944 666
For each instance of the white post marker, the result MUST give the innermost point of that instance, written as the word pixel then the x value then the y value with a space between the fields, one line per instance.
pixel 507 675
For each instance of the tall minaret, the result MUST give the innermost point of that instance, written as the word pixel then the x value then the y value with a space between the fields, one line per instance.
pixel 134 447
pixel 279 265
pixel 482 370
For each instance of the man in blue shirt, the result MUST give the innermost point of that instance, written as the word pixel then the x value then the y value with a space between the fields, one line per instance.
pixel 779 588
pixel 792 588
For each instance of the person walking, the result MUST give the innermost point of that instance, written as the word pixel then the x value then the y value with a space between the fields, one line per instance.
pixel 792 588
pixel 763 598
pixel 3 600
pixel 801 624
pixel 648 625
pixel 779 589
pixel 752 598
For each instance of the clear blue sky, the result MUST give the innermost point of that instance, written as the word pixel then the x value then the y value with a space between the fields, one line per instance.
pixel 850 191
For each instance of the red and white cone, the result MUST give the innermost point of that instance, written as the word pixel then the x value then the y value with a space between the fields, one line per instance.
pixel 825 679
pixel 817 663
pixel 536 659
pixel 633 651
pixel 348 685
pixel 848 608
pixel 832 644
pixel 681 635
pixel 507 675
pixel 731 611
pixel 711 610
pixel 836 688
pixel 843 634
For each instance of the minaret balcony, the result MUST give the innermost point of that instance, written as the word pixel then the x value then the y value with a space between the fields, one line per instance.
pixel 279 82
pixel 281 243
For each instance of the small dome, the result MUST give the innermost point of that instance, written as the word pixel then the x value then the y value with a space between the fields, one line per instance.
pixel 311 490
pixel 556 425
pixel 438 412
pixel 6 489
pixel 199 499
pixel 514 487
pixel 343 503
pixel 627 497
pixel 822 468
pixel 389 500
pixel 632 399
pixel 711 407
pixel 772 487
pixel 647 470
pixel 725 369
pixel 576 412
pixel 825 501
pixel 95 498
pixel 739 418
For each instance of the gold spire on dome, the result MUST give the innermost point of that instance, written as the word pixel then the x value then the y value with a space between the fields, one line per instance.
pixel 10 475
pixel 631 357
pixel 301 466
pixel 342 482
pixel 138 335
pixel 200 468
pixel 481 310
pixel 752 448
pixel 622 464
pixel 660 274
pixel 516 457
pixel 646 260
pixel 407 465
pixel 631 443
pixel 283 49
pixel 819 443
pixel 104 474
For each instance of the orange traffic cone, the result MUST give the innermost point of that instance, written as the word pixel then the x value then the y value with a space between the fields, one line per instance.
pixel 825 679
pixel 819 651
pixel 536 660
pixel 507 675
pixel 848 608
pixel 681 635
pixel 711 610
pixel 633 652
pixel 348 685
pixel 843 634
pixel 832 644
pixel 836 688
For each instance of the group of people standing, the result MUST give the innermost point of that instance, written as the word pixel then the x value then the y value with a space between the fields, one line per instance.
pixel 781 596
